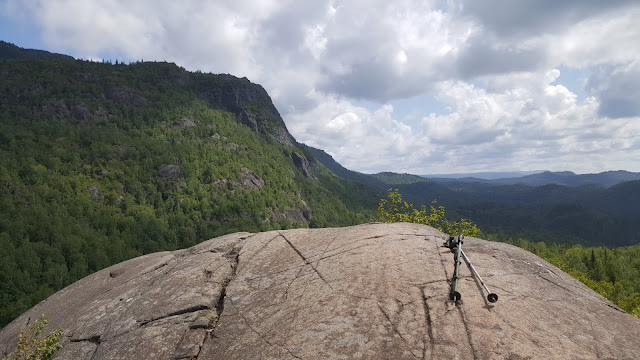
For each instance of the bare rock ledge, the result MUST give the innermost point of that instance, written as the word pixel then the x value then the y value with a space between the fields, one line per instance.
pixel 374 291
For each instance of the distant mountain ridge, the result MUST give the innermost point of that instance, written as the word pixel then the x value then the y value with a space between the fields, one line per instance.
pixel 486 175
pixel 562 206
pixel 568 178
pixel 589 208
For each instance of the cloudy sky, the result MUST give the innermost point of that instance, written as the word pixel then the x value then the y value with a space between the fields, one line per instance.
pixel 425 87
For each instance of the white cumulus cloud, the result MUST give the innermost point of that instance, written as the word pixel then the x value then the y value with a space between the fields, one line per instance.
pixel 333 67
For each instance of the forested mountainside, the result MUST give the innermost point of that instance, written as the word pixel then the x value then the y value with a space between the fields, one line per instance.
pixel 103 162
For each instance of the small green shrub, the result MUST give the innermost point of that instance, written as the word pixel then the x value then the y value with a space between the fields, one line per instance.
pixel 32 347
pixel 396 210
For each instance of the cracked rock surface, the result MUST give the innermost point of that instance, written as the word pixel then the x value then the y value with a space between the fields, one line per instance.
pixel 374 291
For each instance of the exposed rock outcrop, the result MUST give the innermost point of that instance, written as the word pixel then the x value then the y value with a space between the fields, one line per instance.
pixel 309 168
pixel 250 180
pixel 94 193
pixel 60 109
pixel 125 96
pixel 186 123
pixel 300 214
pixel 168 172
pixel 251 103
pixel 217 137
pixel 375 291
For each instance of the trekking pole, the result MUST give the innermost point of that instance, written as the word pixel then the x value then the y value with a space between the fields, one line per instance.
pixel 455 295
pixel 491 297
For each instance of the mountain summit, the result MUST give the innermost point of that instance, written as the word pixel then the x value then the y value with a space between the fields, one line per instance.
pixel 375 291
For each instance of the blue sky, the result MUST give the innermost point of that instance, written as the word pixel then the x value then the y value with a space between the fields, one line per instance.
pixel 23 34
pixel 413 86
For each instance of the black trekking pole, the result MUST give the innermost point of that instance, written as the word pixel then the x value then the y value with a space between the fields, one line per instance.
pixel 491 297
pixel 455 295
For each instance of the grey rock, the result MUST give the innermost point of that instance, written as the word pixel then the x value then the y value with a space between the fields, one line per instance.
pixel 94 193
pixel 223 183
pixel 81 112
pixel 306 211
pixel 125 96
pixel 309 168
pixel 217 137
pixel 59 108
pixel 250 103
pixel 250 180
pixel 249 119
pixel 168 172
pixel 374 291
pixel 186 122
pixel 56 108
pixel 282 136
pixel 300 214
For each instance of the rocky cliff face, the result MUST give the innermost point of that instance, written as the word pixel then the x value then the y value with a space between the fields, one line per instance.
pixel 376 291
pixel 250 102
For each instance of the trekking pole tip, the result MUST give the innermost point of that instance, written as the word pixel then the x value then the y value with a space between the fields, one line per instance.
pixel 455 296
pixel 492 297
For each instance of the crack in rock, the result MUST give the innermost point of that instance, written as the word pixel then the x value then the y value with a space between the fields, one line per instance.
pixel 92 339
pixel 234 256
pixel 95 339
pixel 556 284
pixel 262 337
pixel 395 328
pixel 463 317
pixel 325 249
pixel 179 312
pixel 214 318
pixel 428 322
pixel 306 261
pixel 203 328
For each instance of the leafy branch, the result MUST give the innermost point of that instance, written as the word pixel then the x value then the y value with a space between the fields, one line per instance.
pixel 397 210
pixel 32 347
